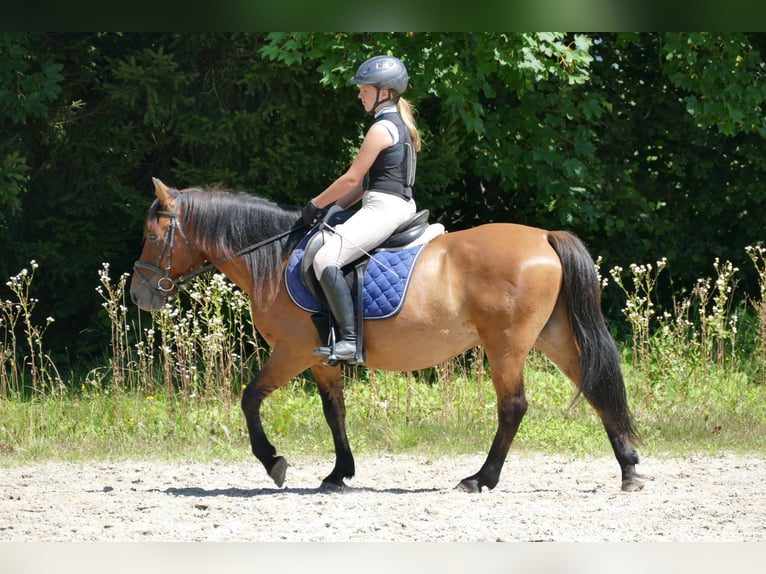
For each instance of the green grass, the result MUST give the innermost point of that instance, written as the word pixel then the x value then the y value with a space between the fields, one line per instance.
pixel 386 413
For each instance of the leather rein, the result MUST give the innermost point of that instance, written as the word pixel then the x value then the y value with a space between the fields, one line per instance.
pixel 166 283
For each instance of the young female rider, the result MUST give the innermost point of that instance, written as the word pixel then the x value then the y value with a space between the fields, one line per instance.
pixel 387 157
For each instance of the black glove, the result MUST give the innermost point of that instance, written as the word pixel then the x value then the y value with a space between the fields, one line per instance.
pixel 310 212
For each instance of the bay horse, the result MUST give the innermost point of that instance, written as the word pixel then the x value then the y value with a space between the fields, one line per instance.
pixel 504 286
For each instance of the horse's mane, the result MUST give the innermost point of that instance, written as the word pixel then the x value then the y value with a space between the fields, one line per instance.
pixel 227 221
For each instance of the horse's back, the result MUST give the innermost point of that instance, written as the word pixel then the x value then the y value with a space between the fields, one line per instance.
pixel 468 285
pixel 492 252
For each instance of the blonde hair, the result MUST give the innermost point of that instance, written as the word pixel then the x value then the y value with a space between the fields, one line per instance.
pixel 407 111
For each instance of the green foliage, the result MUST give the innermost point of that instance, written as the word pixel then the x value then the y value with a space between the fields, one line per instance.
pixel 500 115
pixel 29 83
pixel 14 177
pixel 722 74
pixel 29 86
pixel 646 145
pixel 677 182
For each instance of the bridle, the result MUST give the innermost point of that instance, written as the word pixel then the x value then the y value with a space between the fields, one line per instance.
pixel 166 283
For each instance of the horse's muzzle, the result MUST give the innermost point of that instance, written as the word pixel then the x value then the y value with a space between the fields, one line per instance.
pixel 145 297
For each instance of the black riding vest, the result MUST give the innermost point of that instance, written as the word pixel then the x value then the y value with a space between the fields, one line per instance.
pixel 389 172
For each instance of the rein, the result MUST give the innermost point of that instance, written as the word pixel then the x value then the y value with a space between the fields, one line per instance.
pixel 166 283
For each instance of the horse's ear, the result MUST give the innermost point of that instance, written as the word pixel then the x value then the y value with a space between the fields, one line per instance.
pixel 161 190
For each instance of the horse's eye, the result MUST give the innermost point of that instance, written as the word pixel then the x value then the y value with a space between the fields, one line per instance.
pixel 151 236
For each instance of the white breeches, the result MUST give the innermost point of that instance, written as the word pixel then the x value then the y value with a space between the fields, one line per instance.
pixel 373 223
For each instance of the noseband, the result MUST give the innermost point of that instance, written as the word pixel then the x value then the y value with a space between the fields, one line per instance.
pixel 166 284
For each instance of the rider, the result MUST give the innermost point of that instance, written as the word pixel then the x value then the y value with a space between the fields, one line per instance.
pixel 382 175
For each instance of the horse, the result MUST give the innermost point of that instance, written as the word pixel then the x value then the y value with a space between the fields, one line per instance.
pixel 507 287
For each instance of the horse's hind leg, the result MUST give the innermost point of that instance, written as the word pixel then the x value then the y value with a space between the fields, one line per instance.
pixel 619 438
pixel 602 385
pixel 507 377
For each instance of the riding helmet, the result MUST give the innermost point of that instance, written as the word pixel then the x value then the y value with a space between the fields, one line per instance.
pixel 384 72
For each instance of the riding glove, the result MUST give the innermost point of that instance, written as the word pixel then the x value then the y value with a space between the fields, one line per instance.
pixel 310 212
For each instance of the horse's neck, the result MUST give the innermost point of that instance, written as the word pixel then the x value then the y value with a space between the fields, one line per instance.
pixel 237 273
pixel 262 293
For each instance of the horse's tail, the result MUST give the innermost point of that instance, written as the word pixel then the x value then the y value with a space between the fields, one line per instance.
pixel 601 378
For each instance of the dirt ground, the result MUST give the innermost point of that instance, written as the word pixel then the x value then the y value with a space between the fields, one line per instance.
pixel 392 498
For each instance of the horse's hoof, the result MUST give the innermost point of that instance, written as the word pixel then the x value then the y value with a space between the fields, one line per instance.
pixel 469 485
pixel 632 484
pixel 278 471
pixel 332 486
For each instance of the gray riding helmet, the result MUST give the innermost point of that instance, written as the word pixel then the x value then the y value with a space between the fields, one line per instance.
pixel 383 72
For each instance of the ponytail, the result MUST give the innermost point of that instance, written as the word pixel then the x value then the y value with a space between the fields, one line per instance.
pixel 407 112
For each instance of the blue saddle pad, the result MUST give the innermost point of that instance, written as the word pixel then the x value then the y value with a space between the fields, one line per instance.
pixel 385 282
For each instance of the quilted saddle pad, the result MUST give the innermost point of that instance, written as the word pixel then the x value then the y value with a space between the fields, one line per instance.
pixel 386 281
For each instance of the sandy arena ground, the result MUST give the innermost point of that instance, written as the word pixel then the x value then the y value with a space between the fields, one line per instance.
pixel 392 498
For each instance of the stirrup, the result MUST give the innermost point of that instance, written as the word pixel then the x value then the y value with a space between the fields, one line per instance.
pixel 332 357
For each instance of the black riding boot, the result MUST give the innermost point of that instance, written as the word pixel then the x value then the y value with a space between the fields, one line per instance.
pixel 341 305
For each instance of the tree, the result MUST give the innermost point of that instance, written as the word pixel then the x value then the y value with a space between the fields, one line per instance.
pixel 501 124
pixel 681 149
pixel 645 145
pixel 29 85
pixel 193 109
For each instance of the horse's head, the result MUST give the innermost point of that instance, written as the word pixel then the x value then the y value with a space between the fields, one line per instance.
pixel 167 254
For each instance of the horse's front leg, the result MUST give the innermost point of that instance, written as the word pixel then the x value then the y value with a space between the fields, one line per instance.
pixel 252 398
pixel 330 387
pixel 276 372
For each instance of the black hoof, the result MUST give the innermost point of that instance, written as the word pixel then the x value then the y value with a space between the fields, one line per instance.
pixel 332 486
pixel 632 484
pixel 469 485
pixel 278 471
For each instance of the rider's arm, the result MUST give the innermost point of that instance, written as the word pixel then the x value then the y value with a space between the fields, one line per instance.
pixel 347 189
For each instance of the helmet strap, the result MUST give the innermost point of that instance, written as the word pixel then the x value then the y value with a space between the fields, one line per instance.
pixel 378 101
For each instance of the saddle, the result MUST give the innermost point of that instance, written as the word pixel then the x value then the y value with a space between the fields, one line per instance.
pixel 402 236
pixel 396 254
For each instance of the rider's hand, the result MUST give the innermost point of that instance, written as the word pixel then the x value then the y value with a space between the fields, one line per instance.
pixel 310 212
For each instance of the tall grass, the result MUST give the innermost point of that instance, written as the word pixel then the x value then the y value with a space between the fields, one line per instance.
pixel 201 344
pixel 171 382
pixel 757 255
pixel 26 364
pixel 696 375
